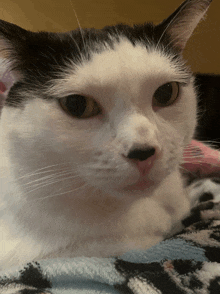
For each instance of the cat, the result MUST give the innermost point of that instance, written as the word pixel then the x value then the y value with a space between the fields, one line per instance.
pixel 92 134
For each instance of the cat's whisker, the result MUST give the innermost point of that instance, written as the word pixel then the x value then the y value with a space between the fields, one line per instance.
pixel 47 183
pixel 193 159
pixel 40 186
pixel 41 181
pixel 175 18
pixel 207 141
pixel 105 80
pixel 80 28
pixel 173 41
pixel 46 197
pixel 201 163
pixel 117 32
pixel 47 180
pixel 50 171
pixel 212 143
pixel 187 171
pixel 37 173
pixel 79 51
pixel 190 159
pixel 192 154
pixel 40 172
pixel 59 194
pixel 192 151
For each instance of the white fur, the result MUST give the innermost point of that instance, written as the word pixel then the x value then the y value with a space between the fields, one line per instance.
pixel 64 180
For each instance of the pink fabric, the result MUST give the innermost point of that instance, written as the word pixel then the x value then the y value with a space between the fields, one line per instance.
pixel 200 158
pixel 2 90
pixel 2 87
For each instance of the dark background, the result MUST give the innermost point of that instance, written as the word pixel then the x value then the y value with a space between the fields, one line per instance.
pixel 209 108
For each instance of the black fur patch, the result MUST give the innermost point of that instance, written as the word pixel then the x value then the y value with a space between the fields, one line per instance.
pixel 195 214
pixel 28 291
pixel 42 57
pixel 214 286
pixel 186 266
pixel 213 254
pixel 31 275
pixel 216 180
pixel 206 197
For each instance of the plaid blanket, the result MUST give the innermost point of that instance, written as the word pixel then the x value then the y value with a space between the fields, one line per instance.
pixel 188 262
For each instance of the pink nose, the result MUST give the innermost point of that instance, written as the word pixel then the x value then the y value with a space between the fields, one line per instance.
pixel 144 158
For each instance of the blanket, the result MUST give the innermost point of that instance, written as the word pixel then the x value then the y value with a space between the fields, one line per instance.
pixel 188 262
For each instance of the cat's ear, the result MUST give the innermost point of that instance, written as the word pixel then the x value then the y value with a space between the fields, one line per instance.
pixel 181 24
pixel 12 41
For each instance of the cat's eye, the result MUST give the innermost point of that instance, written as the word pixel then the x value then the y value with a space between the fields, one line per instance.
pixel 80 106
pixel 166 94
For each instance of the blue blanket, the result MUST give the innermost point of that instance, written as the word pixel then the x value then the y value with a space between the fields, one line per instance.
pixel 188 262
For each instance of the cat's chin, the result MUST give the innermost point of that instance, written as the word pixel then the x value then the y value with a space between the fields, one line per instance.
pixel 140 185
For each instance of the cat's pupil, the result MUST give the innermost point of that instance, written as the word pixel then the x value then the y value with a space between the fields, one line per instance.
pixel 166 94
pixel 76 104
pixel 80 106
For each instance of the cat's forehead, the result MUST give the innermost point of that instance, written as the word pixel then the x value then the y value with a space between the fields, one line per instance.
pixel 65 63
pixel 125 61
pixel 121 65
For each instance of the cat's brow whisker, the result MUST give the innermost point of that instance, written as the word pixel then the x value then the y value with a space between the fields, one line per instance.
pixel 171 22
pixel 77 48
pixel 80 28
pixel 187 171
pixel 173 40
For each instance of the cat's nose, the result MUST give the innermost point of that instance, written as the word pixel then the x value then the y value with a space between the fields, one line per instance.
pixel 144 158
pixel 141 154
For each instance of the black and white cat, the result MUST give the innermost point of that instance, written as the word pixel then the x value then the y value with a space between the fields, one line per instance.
pixel 92 136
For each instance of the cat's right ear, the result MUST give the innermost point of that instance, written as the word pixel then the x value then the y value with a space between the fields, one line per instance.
pixel 12 41
pixel 183 21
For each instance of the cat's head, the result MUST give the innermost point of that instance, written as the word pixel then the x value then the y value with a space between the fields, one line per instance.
pixel 117 105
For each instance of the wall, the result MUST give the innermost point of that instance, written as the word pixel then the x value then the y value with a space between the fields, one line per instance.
pixel 202 51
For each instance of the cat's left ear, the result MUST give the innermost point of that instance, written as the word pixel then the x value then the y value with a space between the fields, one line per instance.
pixel 181 24
pixel 13 41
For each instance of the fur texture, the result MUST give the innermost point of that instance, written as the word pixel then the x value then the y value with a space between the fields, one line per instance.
pixel 68 185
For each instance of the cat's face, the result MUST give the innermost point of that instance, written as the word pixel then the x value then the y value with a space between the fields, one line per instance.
pixel 87 103
pixel 123 83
